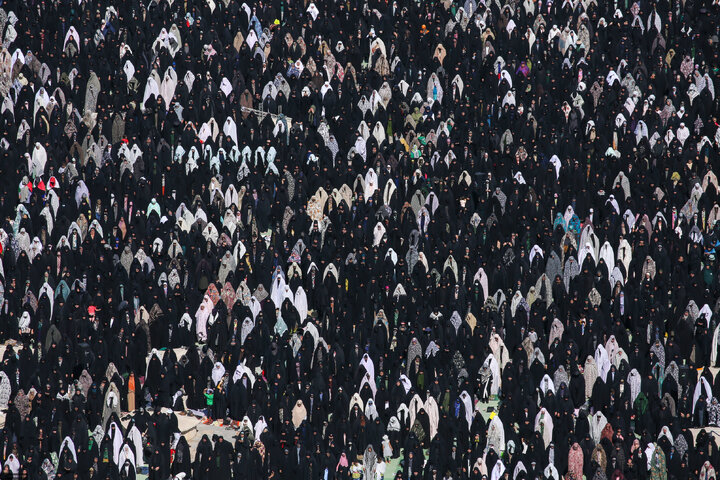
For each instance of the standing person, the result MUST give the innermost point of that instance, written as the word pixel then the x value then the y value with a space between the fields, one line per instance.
pixel 219 406
pixel 131 392
pixel 356 469
pixel 222 458
pixel 209 394
pixel 203 459
pixel 380 469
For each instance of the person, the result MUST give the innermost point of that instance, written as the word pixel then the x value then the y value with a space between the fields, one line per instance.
pixel 380 469
pixel 356 470
pixel 472 244
pixel 209 394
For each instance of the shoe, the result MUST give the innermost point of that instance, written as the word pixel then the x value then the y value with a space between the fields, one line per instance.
pixel 207 421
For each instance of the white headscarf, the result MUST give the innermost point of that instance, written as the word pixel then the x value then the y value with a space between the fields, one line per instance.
pixel 218 372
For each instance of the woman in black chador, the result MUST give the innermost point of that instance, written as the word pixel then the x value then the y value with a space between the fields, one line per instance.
pixel 477 237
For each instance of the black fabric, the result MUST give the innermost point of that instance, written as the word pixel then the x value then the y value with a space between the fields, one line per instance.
pixel 360 224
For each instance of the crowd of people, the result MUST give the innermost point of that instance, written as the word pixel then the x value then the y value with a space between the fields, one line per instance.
pixel 476 240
